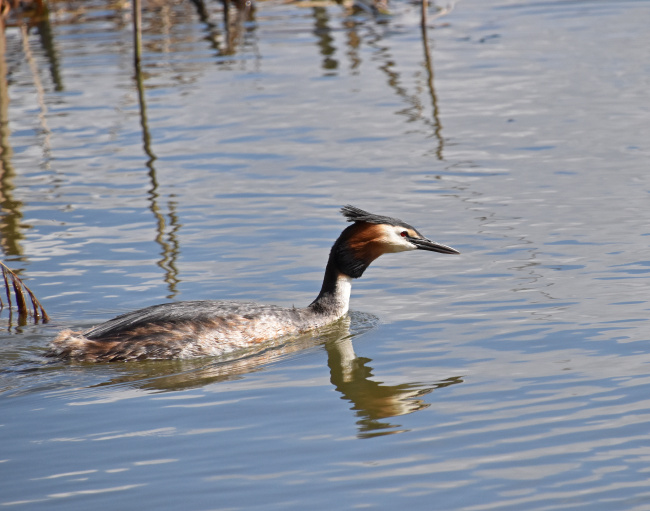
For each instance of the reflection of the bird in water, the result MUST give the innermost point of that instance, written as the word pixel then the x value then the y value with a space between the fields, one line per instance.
pixel 370 399
pixel 350 375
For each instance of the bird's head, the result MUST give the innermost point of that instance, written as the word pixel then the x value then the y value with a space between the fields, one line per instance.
pixel 372 235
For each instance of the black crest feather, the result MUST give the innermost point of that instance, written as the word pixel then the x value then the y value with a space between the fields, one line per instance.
pixel 353 214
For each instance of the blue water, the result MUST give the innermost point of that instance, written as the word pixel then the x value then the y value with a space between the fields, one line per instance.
pixel 515 376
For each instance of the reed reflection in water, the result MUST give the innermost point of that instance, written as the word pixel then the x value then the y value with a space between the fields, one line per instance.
pixel 157 32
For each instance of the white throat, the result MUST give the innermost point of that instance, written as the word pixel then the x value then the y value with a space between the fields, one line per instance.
pixel 342 296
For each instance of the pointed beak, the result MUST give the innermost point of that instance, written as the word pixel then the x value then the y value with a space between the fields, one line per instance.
pixel 425 244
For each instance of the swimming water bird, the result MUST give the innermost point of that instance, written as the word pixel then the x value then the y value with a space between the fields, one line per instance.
pixel 211 328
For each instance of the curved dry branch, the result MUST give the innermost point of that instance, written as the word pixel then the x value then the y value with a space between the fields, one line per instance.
pixel 21 292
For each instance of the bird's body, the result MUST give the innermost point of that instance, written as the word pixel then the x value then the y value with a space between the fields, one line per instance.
pixel 210 328
pixel 187 330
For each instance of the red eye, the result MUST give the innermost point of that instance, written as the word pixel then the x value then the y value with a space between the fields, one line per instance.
pixel 403 234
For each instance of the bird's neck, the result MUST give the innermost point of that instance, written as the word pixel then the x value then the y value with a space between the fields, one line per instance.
pixel 334 296
pixel 343 265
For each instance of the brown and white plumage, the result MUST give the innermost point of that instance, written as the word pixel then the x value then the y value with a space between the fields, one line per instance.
pixel 210 328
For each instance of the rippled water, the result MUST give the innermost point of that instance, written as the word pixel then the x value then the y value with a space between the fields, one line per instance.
pixel 515 376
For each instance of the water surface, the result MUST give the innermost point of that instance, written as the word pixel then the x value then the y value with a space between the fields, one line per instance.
pixel 514 376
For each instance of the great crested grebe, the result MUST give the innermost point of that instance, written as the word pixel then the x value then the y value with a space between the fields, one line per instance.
pixel 211 328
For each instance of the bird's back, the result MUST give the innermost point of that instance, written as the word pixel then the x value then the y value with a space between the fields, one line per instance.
pixel 183 330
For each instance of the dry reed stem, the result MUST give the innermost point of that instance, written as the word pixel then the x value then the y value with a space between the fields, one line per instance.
pixel 20 290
